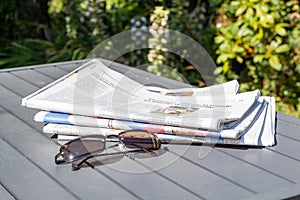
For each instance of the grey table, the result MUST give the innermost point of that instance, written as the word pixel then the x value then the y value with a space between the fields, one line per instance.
pixel 27 169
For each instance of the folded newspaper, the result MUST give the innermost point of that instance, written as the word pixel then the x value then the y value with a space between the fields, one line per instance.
pixel 256 129
pixel 94 98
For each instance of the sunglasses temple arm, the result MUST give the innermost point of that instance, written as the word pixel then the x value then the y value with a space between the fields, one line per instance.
pixel 112 146
pixel 77 166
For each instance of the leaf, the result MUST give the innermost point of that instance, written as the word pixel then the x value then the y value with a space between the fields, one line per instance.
pixel 19 47
pixel 227 32
pixel 260 33
pixel 218 70
pixel 275 63
pixel 297 69
pixel 238 49
pixel 226 67
pixel 259 12
pixel 225 46
pixel 222 58
pixel 235 3
pixel 280 30
pixel 258 58
pixel 240 10
pixel 278 39
pixel 219 39
pixel 39 42
pixel 239 59
pixel 282 48
pixel 269 19
pixel 249 13
pixel 274 44
pixel 244 30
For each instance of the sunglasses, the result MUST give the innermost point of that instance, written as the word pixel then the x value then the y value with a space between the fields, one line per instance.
pixel 84 148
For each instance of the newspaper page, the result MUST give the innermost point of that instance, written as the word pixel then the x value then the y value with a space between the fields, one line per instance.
pixel 95 90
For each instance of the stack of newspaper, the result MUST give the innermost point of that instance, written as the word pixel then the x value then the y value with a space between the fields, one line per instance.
pixel 95 99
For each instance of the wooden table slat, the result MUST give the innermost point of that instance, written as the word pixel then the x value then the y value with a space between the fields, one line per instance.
pixel 236 170
pixel 27 177
pixel 289 130
pixel 289 119
pixel 16 85
pixel 270 161
pixel 33 77
pixel 6 195
pixel 51 72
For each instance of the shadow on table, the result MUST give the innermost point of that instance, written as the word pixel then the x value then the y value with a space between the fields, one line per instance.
pixel 110 159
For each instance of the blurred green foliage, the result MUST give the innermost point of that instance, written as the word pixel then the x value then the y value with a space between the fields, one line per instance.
pixel 259 44
pixel 256 42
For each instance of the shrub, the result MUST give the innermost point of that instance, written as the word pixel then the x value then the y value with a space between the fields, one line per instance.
pixel 259 45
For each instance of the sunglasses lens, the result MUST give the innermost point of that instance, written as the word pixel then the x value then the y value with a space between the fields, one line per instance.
pixel 139 139
pixel 78 148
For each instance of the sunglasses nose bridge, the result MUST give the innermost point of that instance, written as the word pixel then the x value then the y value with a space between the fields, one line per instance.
pixel 133 141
